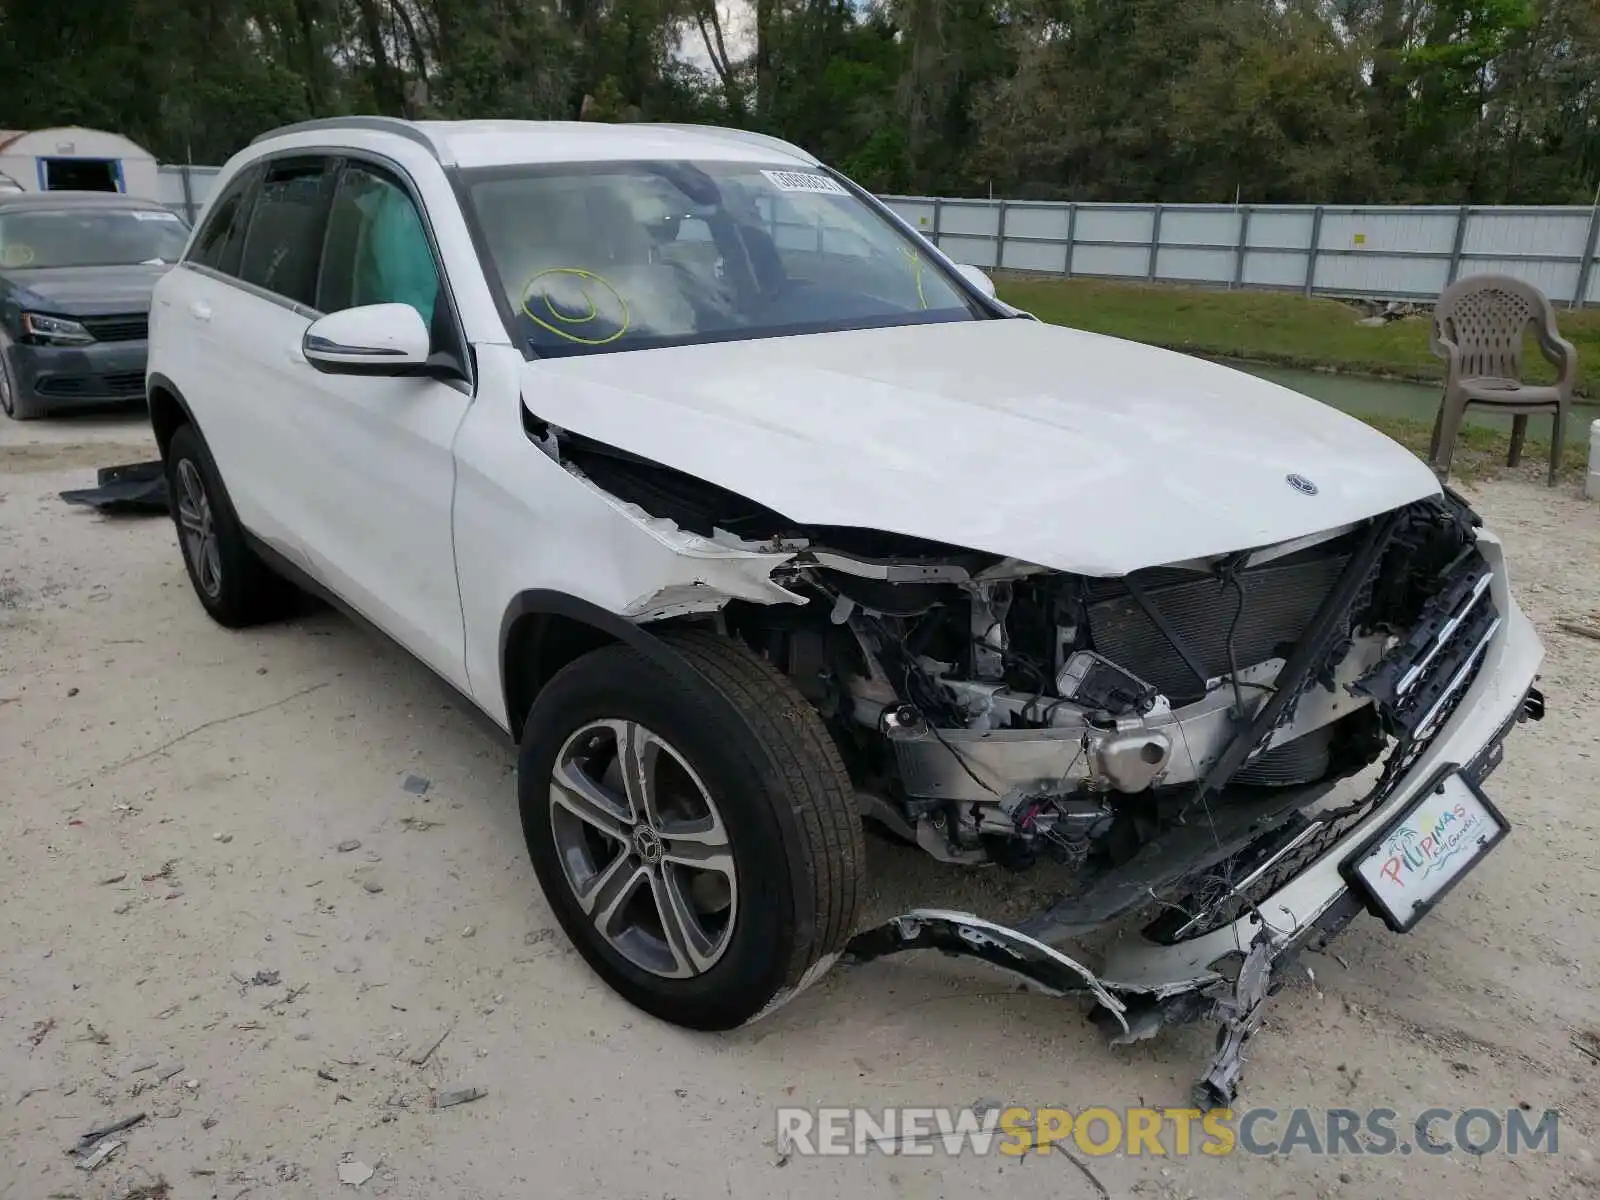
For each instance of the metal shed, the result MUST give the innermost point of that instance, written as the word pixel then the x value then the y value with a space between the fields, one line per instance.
pixel 76 160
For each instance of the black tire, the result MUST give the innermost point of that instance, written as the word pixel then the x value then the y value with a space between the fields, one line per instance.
pixel 245 590
pixel 17 407
pixel 784 797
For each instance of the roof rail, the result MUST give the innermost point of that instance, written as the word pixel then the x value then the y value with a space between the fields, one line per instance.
pixel 750 137
pixel 392 125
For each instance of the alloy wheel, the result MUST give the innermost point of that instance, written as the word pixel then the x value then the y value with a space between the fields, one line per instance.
pixel 643 848
pixel 197 529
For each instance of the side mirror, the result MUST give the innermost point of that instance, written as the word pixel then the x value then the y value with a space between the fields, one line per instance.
pixel 375 339
pixel 977 278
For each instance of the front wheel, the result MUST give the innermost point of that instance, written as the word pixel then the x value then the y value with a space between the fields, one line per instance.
pixel 12 402
pixel 694 831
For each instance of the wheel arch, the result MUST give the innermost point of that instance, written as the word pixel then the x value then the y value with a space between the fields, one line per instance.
pixel 169 411
pixel 542 631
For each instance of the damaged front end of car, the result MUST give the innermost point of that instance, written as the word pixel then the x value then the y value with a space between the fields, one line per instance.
pixel 1180 741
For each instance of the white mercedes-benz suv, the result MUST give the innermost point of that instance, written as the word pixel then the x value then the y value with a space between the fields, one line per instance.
pixel 748 514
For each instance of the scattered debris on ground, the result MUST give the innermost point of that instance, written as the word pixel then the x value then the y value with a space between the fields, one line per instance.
pixel 96 1156
pixel 1588 1042
pixel 416 785
pixel 354 1173
pixel 421 1051
pixel 158 1189
pixel 256 977
pixel 460 1096
pixel 134 489
pixel 1588 628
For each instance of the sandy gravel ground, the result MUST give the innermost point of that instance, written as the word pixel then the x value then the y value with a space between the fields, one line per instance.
pixel 181 934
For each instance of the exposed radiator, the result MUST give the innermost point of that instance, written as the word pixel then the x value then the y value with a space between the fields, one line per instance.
pixel 1280 598
pixel 1304 760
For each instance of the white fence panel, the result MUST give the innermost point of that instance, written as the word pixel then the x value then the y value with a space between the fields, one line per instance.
pixel 1551 278
pixel 1193 264
pixel 1399 253
pixel 1050 221
pixel 978 252
pixel 1199 227
pixel 1274 269
pixel 1415 230
pixel 1117 262
pixel 980 217
pixel 1116 225
pixel 1518 232
pixel 1391 275
pixel 1281 229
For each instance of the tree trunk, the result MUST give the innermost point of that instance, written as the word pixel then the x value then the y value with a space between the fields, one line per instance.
pixel 387 88
pixel 766 80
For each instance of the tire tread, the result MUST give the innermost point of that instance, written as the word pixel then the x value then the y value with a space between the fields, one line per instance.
pixel 814 777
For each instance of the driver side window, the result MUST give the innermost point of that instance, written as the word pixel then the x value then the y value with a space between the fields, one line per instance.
pixel 377 250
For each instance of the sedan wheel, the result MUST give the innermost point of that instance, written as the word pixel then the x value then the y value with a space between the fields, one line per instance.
pixel 18 408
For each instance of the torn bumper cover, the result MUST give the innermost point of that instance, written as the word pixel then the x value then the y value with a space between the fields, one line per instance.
pixel 135 489
pixel 1289 893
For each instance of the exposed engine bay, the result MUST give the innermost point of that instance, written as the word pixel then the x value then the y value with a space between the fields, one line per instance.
pixel 1145 731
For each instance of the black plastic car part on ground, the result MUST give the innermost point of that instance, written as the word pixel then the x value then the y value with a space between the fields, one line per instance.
pixel 134 489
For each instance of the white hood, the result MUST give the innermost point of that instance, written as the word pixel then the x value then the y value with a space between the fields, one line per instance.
pixel 1067 449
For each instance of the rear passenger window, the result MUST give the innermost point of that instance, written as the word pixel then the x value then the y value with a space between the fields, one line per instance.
pixel 285 238
pixel 222 236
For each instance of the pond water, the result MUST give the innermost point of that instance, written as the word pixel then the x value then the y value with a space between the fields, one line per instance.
pixel 1361 396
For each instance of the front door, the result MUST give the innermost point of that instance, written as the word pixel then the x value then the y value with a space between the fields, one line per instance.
pixel 378 470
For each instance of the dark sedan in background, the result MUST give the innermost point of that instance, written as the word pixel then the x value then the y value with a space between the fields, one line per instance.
pixel 76 272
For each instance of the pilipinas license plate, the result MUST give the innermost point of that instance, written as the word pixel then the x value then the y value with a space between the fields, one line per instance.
pixel 1408 867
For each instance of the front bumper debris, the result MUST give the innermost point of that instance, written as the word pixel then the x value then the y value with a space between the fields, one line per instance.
pixel 1226 972
pixel 956 933
pixel 132 489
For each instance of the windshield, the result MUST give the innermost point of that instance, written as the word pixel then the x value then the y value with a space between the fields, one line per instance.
pixel 623 256
pixel 90 237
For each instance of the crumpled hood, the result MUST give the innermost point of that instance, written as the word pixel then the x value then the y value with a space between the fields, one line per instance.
pixel 86 291
pixel 1071 450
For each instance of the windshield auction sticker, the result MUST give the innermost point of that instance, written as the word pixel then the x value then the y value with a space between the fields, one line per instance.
pixel 804 181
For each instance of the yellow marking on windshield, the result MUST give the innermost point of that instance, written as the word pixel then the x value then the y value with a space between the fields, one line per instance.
pixel 566 318
pixel 915 260
pixel 16 254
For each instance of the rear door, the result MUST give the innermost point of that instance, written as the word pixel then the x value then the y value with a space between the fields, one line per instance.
pixel 375 471
pixel 262 320
pixel 199 322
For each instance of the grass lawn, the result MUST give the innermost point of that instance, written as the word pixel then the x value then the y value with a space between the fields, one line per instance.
pixel 1270 327
pixel 1481 453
